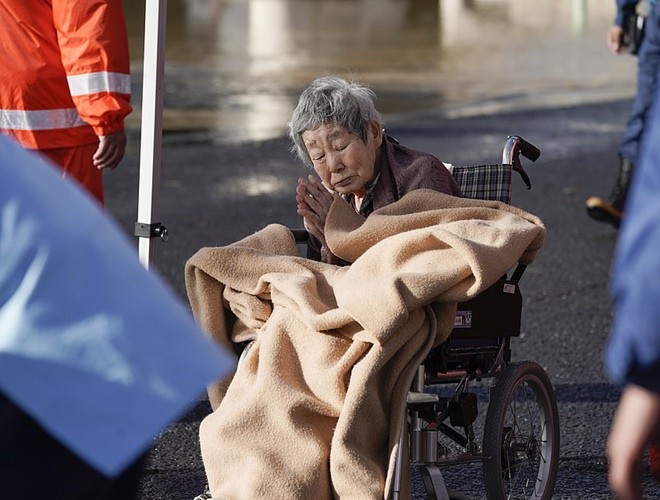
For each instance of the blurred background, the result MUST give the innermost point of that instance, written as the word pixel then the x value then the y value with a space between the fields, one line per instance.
pixel 234 68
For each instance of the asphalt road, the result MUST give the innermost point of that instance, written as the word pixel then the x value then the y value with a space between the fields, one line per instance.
pixel 215 194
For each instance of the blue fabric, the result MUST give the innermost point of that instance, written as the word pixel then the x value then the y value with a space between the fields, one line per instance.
pixel 623 9
pixel 648 69
pixel 627 7
pixel 94 347
pixel 633 352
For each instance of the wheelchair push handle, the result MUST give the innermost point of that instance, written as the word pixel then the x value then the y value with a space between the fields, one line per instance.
pixel 513 148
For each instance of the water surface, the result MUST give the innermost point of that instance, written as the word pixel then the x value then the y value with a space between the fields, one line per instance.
pixel 234 68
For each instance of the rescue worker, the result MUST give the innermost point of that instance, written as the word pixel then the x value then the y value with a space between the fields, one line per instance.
pixel 611 210
pixel 65 83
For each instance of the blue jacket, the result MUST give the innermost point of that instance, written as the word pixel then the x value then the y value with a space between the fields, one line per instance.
pixel 626 7
pixel 633 353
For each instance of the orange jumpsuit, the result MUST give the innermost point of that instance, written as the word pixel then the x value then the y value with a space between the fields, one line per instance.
pixel 64 79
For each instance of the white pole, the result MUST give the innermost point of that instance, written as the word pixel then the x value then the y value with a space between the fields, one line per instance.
pixel 147 225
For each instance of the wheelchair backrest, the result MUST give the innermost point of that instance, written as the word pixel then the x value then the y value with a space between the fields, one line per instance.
pixel 484 182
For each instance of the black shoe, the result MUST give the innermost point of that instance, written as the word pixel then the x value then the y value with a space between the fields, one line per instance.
pixel 604 211
pixel 611 211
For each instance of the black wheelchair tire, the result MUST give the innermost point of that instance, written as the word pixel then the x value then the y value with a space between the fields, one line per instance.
pixel 506 437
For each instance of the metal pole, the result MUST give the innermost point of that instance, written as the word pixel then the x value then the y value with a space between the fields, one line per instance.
pixel 147 226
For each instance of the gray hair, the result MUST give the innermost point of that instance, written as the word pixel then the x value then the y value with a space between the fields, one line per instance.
pixel 332 100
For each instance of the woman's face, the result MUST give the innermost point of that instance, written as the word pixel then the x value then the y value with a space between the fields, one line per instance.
pixel 344 163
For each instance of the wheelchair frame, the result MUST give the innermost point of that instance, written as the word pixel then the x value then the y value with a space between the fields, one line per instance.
pixel 519 450
pixel 519 453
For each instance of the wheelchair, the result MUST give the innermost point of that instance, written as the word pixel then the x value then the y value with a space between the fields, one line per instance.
pixel 519 444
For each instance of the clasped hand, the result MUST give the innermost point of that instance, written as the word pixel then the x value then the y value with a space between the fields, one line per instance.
pixel 313 201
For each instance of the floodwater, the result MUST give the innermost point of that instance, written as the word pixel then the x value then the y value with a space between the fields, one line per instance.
pixel 234 68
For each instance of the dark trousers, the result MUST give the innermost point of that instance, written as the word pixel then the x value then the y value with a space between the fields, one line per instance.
pixel 648 72
pixel 35 465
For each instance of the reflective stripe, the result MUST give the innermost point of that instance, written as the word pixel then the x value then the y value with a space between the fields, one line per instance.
pixel 103 81
pixel 46 119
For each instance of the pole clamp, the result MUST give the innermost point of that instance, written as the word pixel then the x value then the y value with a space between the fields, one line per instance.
pixel 154 230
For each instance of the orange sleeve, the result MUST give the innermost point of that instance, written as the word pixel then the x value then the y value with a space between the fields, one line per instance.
pixel 93 43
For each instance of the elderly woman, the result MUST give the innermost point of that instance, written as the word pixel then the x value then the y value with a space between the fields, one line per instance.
pixel 316 408
pixel 337 130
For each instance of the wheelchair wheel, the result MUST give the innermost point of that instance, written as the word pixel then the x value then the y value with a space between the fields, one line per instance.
pixel 521 435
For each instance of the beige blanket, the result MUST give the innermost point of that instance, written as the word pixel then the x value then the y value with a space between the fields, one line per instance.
pixel 315 409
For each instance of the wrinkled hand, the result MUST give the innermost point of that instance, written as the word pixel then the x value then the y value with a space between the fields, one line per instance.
pixel 636 422
pixel 313 201
pixel 110 151
pixel 615 40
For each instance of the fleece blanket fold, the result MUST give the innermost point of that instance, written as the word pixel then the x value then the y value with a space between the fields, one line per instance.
pixel 316 407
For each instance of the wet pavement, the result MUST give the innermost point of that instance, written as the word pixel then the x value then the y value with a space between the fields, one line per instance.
pixel 234 68
pixel 559 88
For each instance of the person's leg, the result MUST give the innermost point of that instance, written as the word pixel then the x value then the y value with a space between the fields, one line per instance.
pixel 611 210
pixel 647 83
pixel 35 465
pixel 76 162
